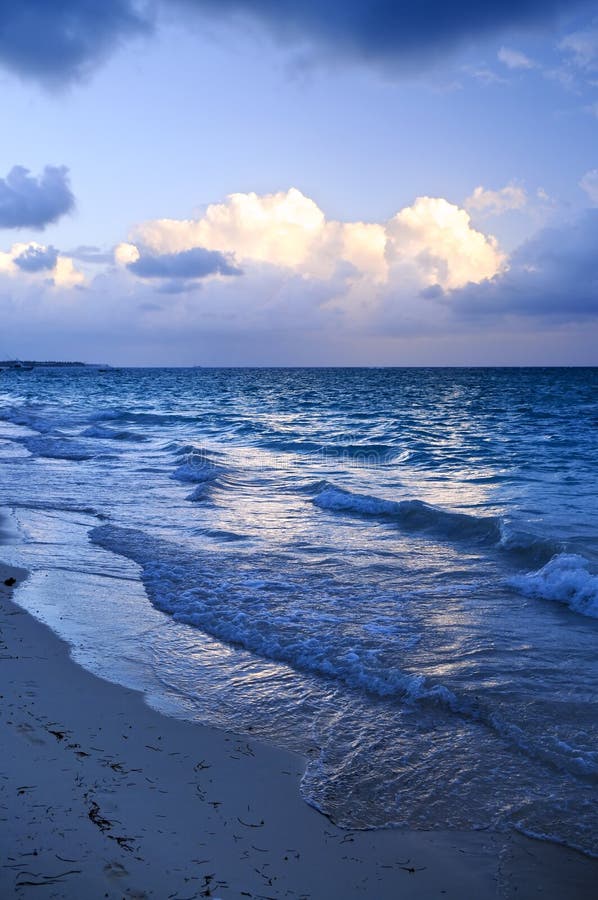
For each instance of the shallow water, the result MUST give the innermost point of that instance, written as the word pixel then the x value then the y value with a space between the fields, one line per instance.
pixel 392 571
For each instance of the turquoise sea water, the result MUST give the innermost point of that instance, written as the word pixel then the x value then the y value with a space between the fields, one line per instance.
pixel 392 571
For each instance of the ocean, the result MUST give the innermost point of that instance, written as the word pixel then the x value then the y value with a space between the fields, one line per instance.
pixel 390 571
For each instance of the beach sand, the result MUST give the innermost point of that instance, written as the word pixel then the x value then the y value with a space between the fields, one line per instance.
pixel 103 797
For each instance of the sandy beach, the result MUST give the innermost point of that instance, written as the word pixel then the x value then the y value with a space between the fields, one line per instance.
pixel 101 796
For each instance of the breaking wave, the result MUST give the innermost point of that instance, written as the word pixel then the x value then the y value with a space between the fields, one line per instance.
pixel 413 515
pixel 565 579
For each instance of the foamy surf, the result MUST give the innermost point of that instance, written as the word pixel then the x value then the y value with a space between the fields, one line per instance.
pixel 225 599
pixel 565 579
pixel 219 595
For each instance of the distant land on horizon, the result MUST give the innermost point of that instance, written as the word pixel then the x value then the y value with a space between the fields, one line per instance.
pixel 27 363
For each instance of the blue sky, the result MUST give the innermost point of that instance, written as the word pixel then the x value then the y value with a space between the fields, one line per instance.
pixel 493 125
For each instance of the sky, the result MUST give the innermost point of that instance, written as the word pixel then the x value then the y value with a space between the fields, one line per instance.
pixel 250 182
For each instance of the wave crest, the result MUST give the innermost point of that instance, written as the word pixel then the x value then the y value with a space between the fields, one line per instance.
pixel 103 433
pixel 565 579
pixel 197 468
pixel 414 515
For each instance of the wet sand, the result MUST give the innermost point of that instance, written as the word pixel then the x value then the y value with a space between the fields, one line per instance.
pixel 103 797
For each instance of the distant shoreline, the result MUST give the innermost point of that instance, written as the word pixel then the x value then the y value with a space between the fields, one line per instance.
pixel 38 364
pixel 27 363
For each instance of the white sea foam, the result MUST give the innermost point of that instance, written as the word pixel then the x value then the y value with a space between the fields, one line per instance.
pixel 239 606
pixel 566 579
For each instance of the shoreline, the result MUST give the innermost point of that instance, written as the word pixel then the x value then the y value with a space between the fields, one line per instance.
pixel 103 796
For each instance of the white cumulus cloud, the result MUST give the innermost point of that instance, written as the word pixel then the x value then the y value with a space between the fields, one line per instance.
pixel 438 239
pixel 430 242
pixel 494 203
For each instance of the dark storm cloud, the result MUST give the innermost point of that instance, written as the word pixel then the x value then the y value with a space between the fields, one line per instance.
pixel 29 202
pixel 554 275
pixel 37 259
pixel 57 41
pixel 194 263
pixel 396 31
